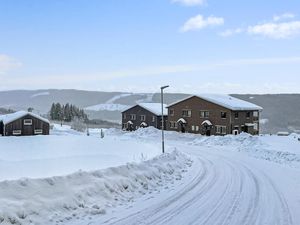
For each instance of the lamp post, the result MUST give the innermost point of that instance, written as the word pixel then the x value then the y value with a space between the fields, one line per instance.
pixel 162 117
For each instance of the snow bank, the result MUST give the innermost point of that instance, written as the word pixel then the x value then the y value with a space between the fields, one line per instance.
pixel 266 147
pixel 271 148
pixel 59 199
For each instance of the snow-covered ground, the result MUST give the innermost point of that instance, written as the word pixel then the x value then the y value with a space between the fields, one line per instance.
pixel 201 180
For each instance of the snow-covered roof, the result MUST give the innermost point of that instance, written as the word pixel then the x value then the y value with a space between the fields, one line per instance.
pixel 206 122
pixel 226 101
pixel 8 118
pixel 155 108
pixel 181 120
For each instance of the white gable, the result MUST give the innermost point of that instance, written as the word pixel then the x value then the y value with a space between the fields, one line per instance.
pixel 8 118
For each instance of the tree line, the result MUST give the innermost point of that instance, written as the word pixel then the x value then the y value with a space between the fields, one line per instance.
pixel 67 112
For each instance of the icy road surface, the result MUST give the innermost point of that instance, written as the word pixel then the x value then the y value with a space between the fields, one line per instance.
pixel 222 187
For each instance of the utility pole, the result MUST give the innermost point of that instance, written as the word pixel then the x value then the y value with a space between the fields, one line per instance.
pixel 162 118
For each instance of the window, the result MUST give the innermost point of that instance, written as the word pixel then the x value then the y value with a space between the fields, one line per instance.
pixel 125 125
pixel 197 128
pixel 132 116
pixel 124 116
pixel 255 113
pixel 153 118
pixel 171 112
pixel 236 115
pixel 17 132
pixel 193 128
pixel 38 131
pixel 221 129
pixel 255 126
pixel 143 118
pixel 223 115
pixel 173 125
pixel 186 113
pixel 204 114
pixel 27 121
pixel 248 114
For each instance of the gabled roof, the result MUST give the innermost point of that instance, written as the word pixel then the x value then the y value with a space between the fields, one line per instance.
pixel 8 118
pixel 226 101
pixel 154 108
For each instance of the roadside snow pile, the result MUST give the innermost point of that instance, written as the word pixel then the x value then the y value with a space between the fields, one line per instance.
pixel 59 199
pixel 271 148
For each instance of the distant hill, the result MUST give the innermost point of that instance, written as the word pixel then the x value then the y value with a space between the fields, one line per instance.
pixel 281 111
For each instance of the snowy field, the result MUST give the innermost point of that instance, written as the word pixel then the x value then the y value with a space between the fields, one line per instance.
pixel 71 178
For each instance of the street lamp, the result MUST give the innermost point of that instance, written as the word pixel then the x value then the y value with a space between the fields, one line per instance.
pixel 162 117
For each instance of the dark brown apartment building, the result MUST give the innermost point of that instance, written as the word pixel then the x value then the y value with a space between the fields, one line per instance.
pixel 143 115
pixel 213 114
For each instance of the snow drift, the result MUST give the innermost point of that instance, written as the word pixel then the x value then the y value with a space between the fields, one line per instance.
pixel 62 198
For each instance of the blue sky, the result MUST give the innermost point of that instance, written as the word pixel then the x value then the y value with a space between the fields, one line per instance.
pixel 195 46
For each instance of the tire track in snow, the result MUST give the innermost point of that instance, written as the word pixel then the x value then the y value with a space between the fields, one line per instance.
pixel 141 216
pixel 223 192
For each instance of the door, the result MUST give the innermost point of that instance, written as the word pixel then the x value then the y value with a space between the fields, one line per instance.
pixel 27 127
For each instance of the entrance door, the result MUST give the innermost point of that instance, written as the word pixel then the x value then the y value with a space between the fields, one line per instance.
pixel 27 130
pixel 182 127
pixel 207 133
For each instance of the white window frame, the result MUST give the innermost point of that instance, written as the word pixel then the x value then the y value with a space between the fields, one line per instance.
pixel 171 112
pixel 143 117
pixel 188 114
pixel 27 122
pixel 204 114
pixel 132 116
pixel 193 128
pixel 255 127
pixel 17 132
pixel 38 131
pixel 255 114
pixel 197 128
pixel 153 118
pixel 173 125
pixel 221 129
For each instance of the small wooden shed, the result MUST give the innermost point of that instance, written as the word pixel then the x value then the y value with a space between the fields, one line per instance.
pixel 23 123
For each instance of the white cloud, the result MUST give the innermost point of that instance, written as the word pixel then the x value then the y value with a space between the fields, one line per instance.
pixel 284 16
pixel 8 63
pixel 276 30
pixel 231 32
pixel 189 2
pixel 199 22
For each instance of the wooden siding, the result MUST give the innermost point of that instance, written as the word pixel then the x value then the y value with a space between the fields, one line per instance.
pixel 27 130
pixel 139 111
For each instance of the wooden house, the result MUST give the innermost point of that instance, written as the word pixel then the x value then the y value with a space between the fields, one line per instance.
pixel 213 114
pixel 23 123
pixel 144 115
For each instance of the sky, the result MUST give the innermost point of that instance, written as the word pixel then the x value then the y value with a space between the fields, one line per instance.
pixel 195 46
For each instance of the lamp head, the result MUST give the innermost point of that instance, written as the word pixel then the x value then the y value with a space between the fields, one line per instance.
pixel 163 87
